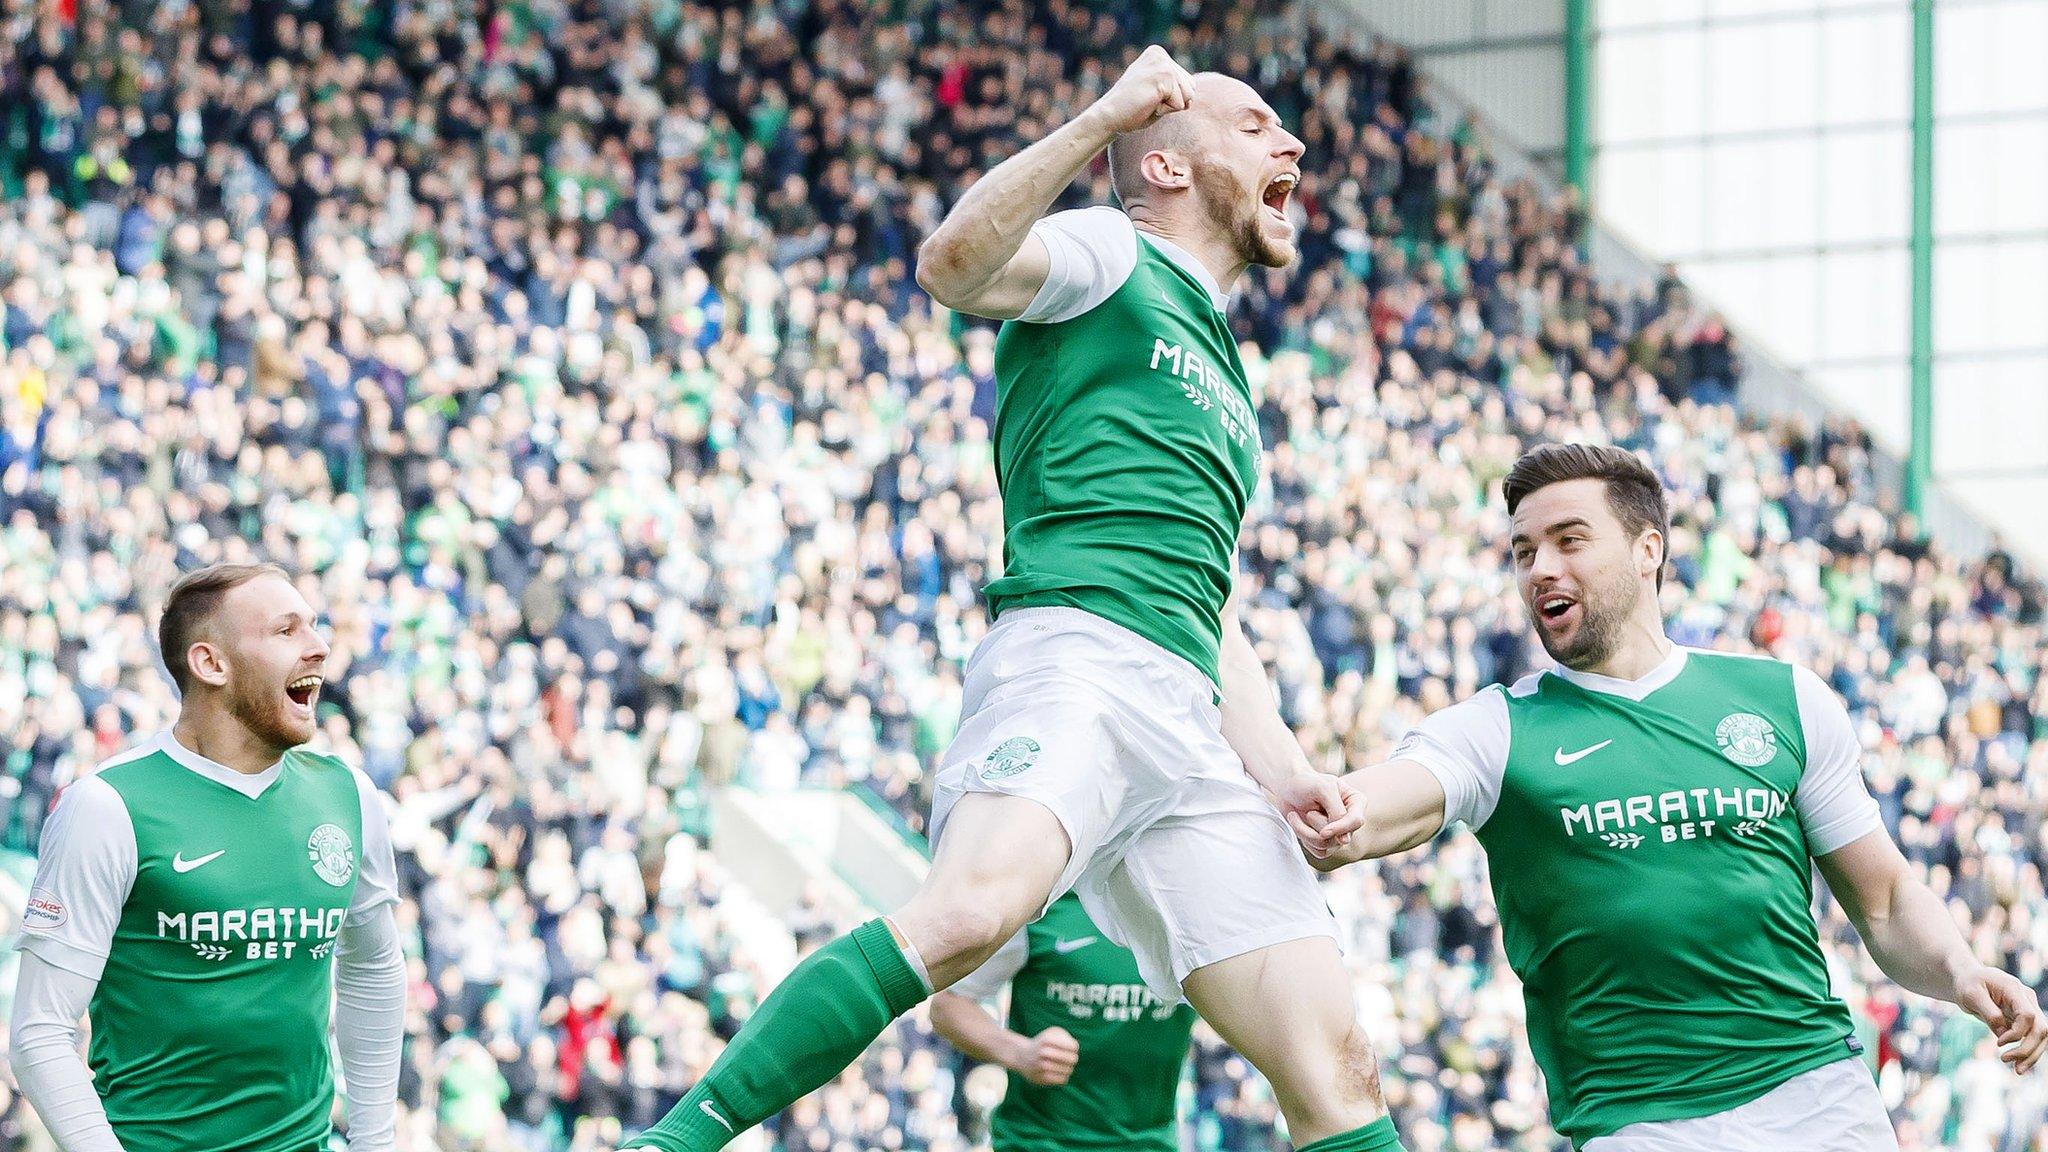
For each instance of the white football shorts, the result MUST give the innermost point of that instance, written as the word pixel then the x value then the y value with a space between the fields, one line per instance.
pixel 1178 855
pixel 1833 1108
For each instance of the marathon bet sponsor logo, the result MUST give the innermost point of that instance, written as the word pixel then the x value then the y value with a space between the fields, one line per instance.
pixel 1009 758
pixel 1682 814
pixel 254 933
pixel 332 854
pixel 1747 739
pixel 1116 1003
pixel 1205 387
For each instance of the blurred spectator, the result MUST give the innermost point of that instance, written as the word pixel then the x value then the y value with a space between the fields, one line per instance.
pixel 571 350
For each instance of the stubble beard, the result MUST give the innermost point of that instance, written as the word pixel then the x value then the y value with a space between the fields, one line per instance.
pixel 1606 608
pixel 1224 202
pixel 265 718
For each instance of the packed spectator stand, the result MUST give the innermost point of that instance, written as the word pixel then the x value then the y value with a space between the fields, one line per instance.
pixel 571 351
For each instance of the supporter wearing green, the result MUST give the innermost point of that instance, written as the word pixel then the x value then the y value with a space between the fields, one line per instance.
pixel 193 898
pixel 1651 817
pixel 1094 1058
pixel 1120 736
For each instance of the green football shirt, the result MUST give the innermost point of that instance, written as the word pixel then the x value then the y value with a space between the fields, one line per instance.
pixel 1125 442
pixel 1062 971
pixel 1650 845
pixel 206 904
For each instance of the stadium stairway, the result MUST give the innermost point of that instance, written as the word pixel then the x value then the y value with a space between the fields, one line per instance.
pixel 832 843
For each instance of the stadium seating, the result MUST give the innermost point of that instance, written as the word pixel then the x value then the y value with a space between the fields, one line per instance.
pixel 571 350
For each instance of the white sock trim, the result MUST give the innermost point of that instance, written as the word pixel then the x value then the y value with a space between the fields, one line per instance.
pixel 924 975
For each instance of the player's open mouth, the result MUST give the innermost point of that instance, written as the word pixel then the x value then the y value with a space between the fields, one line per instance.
pixel 1554 608
pixel 1277 192
pixel 303 690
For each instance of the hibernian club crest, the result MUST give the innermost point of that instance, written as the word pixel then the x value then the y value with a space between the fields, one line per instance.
pixel 1009 758
pixel 333 854
pixel 1747 739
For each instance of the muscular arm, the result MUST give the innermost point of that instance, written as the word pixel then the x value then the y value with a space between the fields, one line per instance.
pixel 1404 808
pixel 1251 717
pixel 983 259
pixel 1914 940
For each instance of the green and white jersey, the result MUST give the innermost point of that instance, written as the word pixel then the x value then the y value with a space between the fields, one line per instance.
pixel 206 904
pixel 1126 446
pixel 1062 971
pixel 1650 844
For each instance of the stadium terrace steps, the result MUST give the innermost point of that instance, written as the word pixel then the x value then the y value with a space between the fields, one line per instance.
pixel 778 844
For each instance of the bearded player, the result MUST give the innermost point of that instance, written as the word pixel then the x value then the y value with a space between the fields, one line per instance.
pixel 1120 738
pixel 204 897
pixel 1651 816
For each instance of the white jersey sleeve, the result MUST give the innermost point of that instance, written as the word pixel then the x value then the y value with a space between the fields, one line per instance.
pixel 1834 804
pixel 986 983
pixel 84 872
pixel 377 882
pixel 1090 252
pixel 1465 747
pixel 48 1001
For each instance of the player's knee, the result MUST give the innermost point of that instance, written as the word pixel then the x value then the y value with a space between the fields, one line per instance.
pixel 955 936
pixel 1337 1094
pixel 1358 1070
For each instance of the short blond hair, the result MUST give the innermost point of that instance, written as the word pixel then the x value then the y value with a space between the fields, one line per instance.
pixel 191 606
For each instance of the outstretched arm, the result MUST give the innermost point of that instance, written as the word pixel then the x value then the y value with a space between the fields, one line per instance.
pixel 1912 937
pixel 983 258
pixel 1404 808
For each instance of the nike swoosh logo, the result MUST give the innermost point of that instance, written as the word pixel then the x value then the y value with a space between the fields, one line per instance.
pixel 180 864
pixel 705 1107
pixel 1563 757
pixel 1065 946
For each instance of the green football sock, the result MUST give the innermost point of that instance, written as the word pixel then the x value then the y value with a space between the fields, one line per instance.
pixel 1378 1136
pixel 816 1022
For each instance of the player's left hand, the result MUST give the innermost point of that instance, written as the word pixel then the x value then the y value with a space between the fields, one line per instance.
pixel 1322 809
pixel 2012 1010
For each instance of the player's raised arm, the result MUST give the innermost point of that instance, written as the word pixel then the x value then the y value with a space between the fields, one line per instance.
pixel 983 258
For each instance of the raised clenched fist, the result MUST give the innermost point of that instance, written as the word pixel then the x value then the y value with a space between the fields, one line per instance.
pixel 1150 88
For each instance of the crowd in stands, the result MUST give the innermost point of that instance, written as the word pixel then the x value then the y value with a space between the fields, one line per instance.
pixel 570 349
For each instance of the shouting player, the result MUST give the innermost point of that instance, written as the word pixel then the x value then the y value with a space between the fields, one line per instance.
pixel 1094 1058
pixel 1651 815
pixel 1120 736
pixel 205 897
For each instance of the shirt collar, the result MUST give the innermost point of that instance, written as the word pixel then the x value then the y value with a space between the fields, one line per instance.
pixel 1191 266
pixel 1664 673
pixel 248 785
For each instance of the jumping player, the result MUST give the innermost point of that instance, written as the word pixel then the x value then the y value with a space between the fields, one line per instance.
pixel 1120 737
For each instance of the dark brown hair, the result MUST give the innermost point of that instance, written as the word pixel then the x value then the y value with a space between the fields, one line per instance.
pixel 191 605
pixel 1634 493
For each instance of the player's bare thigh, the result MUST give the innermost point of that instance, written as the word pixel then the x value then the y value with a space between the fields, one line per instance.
pixel 994 871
